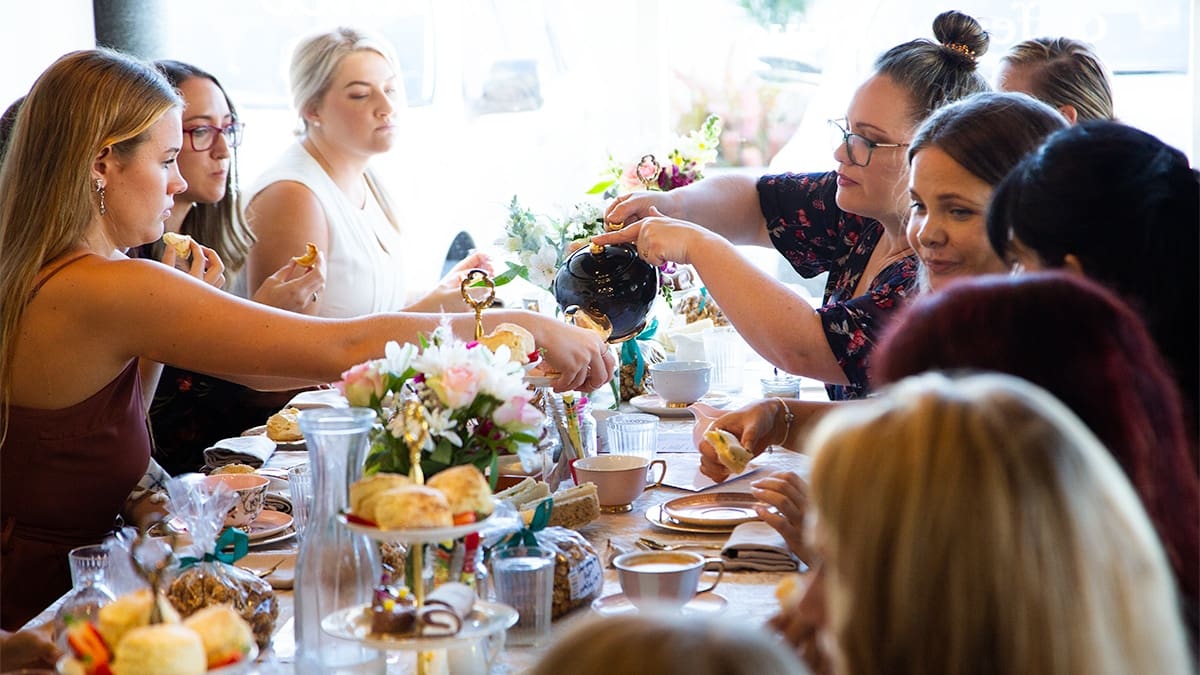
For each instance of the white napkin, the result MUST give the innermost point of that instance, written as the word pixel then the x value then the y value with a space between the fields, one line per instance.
pixel 250 450
pixel 318 398
pixel 757 546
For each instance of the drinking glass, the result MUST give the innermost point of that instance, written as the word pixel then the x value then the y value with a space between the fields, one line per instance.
pixel 89 589
pixel 723 348
pixel 633 434
pixel 523 578
pixel 300 491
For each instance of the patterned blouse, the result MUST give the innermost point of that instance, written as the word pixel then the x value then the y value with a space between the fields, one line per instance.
pixel 816 236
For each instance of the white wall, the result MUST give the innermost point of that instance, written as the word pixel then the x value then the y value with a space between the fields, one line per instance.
pixel 35 33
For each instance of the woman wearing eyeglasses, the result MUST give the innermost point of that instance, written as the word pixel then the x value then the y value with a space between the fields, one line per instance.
pixel 191 411
pixel 847 222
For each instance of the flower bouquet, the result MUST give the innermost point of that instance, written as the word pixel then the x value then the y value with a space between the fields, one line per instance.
pixel 474 402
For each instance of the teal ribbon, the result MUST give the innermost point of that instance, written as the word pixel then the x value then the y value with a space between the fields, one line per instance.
pixel 703 299
pixel 525 537
pixel 631 354
pixel 239 540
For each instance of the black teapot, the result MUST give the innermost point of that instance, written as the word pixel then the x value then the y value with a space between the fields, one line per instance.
pixel 607 288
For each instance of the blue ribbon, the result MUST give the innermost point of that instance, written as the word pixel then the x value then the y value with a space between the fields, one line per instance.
pixel 631 354
pixel 239 540
pixel 525 537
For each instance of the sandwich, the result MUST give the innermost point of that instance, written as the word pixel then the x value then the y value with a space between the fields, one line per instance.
pixel 572 507
pixel 309 257
pixel 521 346
pixel 729 450
pixel 182 244
pixel 466 490
pixel 528 490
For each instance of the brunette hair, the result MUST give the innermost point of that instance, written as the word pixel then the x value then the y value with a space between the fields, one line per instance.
pixel 7 123
pixel 220 225
pixel 314 61
pixel 84 102
pixel 1065 72
pixel 989 132
pixel 976 526
pixel 935 73
pixel 1081 343
pixel 667 643
pixel 1126 206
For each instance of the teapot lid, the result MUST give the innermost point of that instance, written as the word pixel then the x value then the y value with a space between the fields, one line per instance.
pixel 596 260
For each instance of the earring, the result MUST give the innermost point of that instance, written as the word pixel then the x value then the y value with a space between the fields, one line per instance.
pixel 100 191
pixel 317 124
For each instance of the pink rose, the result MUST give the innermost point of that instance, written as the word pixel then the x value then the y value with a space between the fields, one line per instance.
pixel 517 412
pixel 362 382
pixel 457 387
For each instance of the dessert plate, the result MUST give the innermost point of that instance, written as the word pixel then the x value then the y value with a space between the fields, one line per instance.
pixel 413 535
pixel 354 623
pixel 267 524
pixel 653 404
pixel 713 509
pixel 617 603
pixel 659 518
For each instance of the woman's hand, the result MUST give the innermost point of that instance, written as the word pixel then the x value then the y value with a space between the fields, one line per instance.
pixel 26 649
pixel 658 238
pixel 294 287
pixel 801 620
pixel 630 208
pixel 204 264
pixel 788 493
pixel 582 359
pixel 447 295
pixel 756 425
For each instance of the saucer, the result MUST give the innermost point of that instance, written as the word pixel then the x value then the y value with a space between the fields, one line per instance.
pixel 617 603
pixel 653 404
pixel 267 524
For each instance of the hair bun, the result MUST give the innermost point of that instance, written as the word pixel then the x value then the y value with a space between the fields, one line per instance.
pixel 961 35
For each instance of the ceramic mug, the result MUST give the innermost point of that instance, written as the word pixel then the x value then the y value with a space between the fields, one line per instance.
pixel 664 578
pixel 679 383
pixel 619 479
pixel 251 490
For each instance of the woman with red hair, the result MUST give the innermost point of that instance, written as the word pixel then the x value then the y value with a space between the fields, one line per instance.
pixel 1081 343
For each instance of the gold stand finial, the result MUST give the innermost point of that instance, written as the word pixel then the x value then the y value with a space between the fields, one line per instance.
pixel 648 170
pixel 474 278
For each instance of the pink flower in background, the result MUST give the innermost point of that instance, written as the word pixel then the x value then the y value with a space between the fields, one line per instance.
pixel 457 386
pixel 519 412
pixel 362 382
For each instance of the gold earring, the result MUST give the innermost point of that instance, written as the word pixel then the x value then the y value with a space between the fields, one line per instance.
pixel 100 191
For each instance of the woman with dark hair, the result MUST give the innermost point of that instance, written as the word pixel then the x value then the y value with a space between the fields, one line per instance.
pixel 1088 348
pixel 847 222
pixel 1120 206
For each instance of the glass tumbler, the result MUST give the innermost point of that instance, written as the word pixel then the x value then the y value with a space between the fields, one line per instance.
pixel 89 589
pixel 523 578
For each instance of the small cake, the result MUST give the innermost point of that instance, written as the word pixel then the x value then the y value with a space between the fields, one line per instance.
pixel 161 648
pixel 393 612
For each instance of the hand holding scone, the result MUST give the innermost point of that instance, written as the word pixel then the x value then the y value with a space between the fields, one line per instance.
pixel 296 287
pixel 752 428
pixel 309 257
pixel 186 254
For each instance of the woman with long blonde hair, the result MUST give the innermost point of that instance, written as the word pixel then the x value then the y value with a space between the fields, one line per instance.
pixel 91 172
pixel 977 526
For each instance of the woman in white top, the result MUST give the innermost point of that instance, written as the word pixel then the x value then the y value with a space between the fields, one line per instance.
pixel 347 89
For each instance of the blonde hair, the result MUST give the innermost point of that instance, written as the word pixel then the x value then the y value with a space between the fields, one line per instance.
pixel 314 61
pixel 1065 72
pixel 84 102
pixel 667 643
pixel 977 526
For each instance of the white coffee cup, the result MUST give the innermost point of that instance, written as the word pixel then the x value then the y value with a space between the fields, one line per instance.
pixel 664 578
pixel 619 479
pixel 679 383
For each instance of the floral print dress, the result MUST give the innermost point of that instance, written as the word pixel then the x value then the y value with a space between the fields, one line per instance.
pixel 808 228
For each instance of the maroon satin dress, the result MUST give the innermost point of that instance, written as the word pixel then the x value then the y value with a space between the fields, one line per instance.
pixel 64 478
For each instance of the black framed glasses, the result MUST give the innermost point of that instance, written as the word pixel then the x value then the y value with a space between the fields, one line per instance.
pixel 203 137
pixel 858 148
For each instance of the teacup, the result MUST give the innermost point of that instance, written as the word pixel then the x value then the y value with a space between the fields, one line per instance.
pixel 679 383
pixel 251 492
pixel 664 578
pixel 619 479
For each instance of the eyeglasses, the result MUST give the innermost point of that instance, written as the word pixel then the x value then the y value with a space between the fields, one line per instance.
pixel 858 148
pixel 203 137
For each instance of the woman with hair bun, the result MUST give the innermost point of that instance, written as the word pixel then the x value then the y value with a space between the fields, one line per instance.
pixel 848 222
pixel 1064 73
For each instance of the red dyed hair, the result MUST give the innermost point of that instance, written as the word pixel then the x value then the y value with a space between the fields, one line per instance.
pixel 1081 343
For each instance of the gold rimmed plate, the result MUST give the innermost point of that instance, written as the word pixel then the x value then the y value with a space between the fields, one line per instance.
pixel 713 509
pixel 653 404
pixel 659 518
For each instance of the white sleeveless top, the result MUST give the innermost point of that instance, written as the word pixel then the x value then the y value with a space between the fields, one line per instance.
pixel 365 271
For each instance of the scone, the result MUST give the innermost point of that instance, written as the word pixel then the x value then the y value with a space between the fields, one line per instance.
pixel 130 611
pixel 729 450
pixel 224 633
pixel 182 244
pixel 283 426
pixel 161 648
pixel 466 490
pixel 412 506
pixel 309 257
pixel 520 341
pixel 364 492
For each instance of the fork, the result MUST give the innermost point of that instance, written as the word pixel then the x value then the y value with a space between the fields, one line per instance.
pixel 662 546
pixel 267 572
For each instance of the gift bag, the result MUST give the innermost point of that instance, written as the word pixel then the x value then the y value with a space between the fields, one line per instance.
pixel 636 355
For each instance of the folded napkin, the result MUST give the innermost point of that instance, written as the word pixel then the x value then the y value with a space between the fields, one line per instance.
pixel 277 502
pixel 757 546
pixel 250 450
pixel 318 398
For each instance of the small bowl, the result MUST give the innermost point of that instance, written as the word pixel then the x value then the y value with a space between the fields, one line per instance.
pixel 251 490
